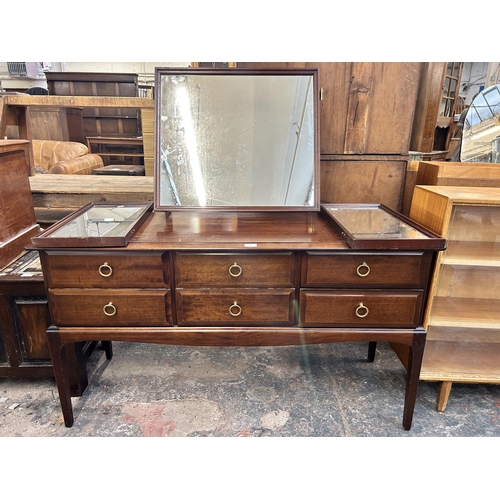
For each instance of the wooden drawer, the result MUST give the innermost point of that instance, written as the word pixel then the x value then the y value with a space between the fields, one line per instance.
pixel 366 270
pixel 229 307
pixel 368 309
pixel 106 269
pixel 110 307
pixel 234 269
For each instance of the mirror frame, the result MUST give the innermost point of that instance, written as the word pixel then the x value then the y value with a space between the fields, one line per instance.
pixel 161 72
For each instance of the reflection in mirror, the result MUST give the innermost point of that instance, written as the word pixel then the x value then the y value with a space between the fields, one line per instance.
pixel 100 221
pixel 481 134
pixel 230 138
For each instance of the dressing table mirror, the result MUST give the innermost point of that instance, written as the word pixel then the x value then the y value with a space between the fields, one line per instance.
pixel 236 139
pixel 237 251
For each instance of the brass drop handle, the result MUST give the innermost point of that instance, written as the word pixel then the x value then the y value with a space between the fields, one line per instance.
pixel 105 270
pixel 235 309
pixel 235 270
pixel 362 311
pixel 363 270
pixel 109 309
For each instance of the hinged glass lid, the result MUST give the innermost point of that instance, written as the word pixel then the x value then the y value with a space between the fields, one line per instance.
pixel 378 227
pixel 96 225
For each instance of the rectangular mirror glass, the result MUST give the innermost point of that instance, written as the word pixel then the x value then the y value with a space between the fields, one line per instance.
pixel 236 139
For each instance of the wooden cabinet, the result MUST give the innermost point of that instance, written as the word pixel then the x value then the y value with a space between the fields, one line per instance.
pixel 234 278
pixel 463 319
pixel 102 121
pixel 24 312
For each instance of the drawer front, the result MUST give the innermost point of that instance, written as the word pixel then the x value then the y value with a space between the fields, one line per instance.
pixel 363 269
pixel 234 269
pixel 106 270
pixel 235 307
pixel 392 309
pixel 110 307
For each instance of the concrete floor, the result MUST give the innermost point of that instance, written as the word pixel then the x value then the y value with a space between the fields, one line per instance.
pixel 319 390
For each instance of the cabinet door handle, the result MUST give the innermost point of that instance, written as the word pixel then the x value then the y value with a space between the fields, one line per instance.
pixel 363 270
pixel 235 270
pixel 362 311
pixel 109 309
pixel 235 309
pixel 105 270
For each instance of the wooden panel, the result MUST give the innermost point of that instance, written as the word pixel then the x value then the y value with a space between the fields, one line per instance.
pixel 375 270
pixel 337 308
pixel 458 174
pixel 106 121
pixel 17 217
pixel 74 191
pixel 427 106
pixel 363 179
pixel 125 307
pixel 241 306
pixel 234 269
pixel 33 320
pixel 367 108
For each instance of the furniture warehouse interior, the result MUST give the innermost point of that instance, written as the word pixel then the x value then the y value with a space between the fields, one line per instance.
pixel 237 247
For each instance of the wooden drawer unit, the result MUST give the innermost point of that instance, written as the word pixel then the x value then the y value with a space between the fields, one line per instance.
pixel 110 307
pixel 395 309
pixel 366 270
pixel 234 269
pixel 239 306
pixel 285 279
pixel 106 269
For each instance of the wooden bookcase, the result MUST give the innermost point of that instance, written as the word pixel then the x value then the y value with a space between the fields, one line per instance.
pixel 463 313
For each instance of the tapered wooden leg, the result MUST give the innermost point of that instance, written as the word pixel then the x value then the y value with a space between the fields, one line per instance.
pixel 415 356
pixel 108 348
pixel 59 354
pixel 444 389
pixel 372 348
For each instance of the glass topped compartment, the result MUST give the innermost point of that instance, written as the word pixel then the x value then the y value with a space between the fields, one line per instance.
pixel 372 226
pixel 96 225
pixel 236 139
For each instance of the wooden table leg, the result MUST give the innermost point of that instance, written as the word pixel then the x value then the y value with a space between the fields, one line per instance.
pixel 59 354
pixel 107 345
pixel 443 394
pixel 372 348
pixel 415 356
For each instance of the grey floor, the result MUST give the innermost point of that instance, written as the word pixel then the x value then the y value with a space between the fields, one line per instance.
pixel 314 391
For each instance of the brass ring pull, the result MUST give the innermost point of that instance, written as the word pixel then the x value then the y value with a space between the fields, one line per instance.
pixel 362 311
pixel 360 267
pixel 105 270
pixel 235 270
pixel 235 309
pixel 109 309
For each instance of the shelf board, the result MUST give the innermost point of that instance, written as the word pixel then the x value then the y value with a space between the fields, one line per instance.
pixel 466 312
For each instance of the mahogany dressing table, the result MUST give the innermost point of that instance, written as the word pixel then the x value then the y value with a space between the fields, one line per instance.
pixel 257 272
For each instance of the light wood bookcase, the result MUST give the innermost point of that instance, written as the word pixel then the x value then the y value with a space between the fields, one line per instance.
pixel 463 312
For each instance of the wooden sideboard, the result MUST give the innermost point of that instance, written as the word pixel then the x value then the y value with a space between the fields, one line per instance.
pixel 237 279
